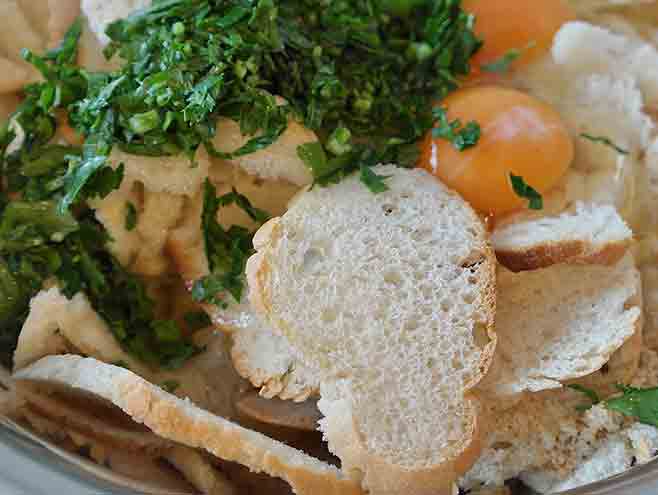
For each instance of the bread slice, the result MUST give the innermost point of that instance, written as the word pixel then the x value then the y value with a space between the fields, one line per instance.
pixel 391 298
pixel 57 325
pixel 561 323
pixel 183 422
pixel 587 233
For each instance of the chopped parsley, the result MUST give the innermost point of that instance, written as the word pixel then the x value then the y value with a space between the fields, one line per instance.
pixel 370 69
pixel 606 142
pixel 634 402
pixel 227 250
pixel 504 63
pixel 131 216
pixel 525 191
pixel 461 137
pixel 361 74
pixel 43 238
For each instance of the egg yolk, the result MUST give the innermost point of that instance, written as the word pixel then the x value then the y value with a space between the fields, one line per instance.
pixel 504 25
pixel 520 135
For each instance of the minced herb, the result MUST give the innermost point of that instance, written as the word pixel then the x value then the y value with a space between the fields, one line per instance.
pixel 363 74
pixel 525 191
pixel 606 142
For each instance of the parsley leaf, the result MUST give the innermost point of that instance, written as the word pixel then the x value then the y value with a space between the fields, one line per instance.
pixel 461 138
pixel 504 63
pixel 523 190
pixel 634 402
pixel 375 182
pixel 606 142
pixel 227 250
pixel 131 216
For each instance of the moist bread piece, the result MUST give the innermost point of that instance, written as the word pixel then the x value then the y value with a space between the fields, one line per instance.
pixel 57 325
pixel 545 439
pixel 260 356
pixel 279 161
pixel 587 233
pixel 183 422
pixel 391 298
pixel 277 412
pixel 561 323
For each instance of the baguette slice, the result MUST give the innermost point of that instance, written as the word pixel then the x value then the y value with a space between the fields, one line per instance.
pixel 561 323
pixel 183 422
pixel 391 298
pixel 588 233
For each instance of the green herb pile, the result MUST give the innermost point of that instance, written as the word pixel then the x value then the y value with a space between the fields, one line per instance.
pixel 41 240
pixel 363 74
pixel 355 71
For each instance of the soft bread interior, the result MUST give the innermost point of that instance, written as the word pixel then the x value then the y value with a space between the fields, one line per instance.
pixel 392 295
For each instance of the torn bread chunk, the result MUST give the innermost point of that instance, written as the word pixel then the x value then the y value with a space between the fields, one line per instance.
pixel 259 355
pixel 394 377
pixel 278 161
pixel 546 439
pixel 170 174
pixel 183 422
pixel 58 325
pixel 561 323
pixel 587 233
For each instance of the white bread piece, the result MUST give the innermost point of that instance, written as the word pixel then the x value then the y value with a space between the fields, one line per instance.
pixel 588 233
pixel 545 432
pixel 268 361
pixel 183 422
pixel 581 47
pixel 394 292
pixel 101 13
pixel 561 323
pixel 613 457
pixel 278 161
pixel 57 325
pixel 170 174
pixel 259 355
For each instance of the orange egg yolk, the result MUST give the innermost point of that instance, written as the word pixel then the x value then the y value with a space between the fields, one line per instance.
pixel 520 135
pixel 504 25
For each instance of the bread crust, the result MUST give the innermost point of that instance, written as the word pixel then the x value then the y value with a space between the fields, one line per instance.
pixel 574 251
pixel 391 478
pixel 182 422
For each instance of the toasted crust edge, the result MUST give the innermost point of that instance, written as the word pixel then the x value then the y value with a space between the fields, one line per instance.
pixel 574 252
pixel 182 422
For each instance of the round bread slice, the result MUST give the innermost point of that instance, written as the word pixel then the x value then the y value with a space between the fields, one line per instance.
pixel 393 294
